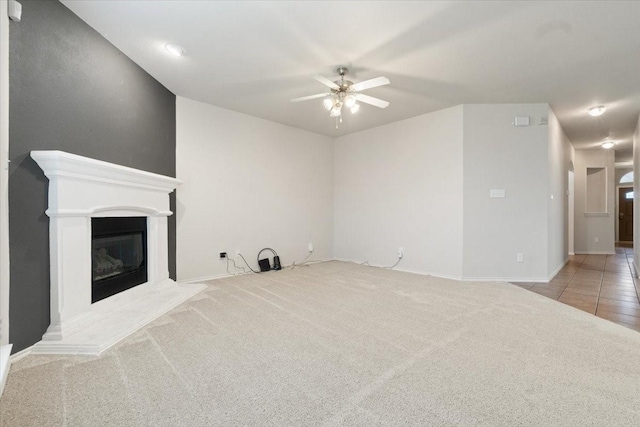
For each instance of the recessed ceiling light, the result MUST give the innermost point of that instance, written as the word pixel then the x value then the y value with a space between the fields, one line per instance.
pixel 597 111
pixel 175 49
pixel 608 144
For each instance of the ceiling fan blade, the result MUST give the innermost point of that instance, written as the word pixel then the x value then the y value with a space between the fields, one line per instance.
pixel 306 98
pixel 326 82
pixel 371 100
pixel 368 84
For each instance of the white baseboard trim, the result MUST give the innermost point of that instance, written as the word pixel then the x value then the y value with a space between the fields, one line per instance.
pixel 557 270
pixel 204 279
pixel 440 276
pixel 507 279
pixel 224 276
pixel 22 353
pixel 310 262
pixel 572 253
pixel 5 364
pixel 464 279
pixel 595 253
pixel 422 273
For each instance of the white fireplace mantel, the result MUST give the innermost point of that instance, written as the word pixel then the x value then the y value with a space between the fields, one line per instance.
pixel 81 188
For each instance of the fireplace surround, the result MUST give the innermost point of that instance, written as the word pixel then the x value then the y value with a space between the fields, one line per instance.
pixel 82 189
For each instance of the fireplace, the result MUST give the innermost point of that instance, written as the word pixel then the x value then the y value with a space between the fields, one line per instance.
pixel 118 255
pixel 108 244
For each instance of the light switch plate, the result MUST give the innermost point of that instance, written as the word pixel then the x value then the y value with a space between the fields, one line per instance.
pixel 497 193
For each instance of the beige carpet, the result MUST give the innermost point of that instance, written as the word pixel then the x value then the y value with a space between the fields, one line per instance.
pixel 342 344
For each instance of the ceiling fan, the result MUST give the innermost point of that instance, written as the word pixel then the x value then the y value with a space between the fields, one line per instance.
pixel 345 93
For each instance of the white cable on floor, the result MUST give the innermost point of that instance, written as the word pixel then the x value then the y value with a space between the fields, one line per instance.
pixel 302 264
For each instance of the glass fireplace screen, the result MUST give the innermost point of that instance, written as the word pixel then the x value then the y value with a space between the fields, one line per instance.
pixel 116 255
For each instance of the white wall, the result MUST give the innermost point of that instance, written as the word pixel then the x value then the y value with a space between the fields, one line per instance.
pixel 498 155
pixel 421 184
pixel 636 188
pixel 400 185
pixel 561 155
pixel 248 184
pixel 588 227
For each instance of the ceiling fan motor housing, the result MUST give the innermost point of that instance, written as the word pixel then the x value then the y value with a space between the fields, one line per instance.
pixel 343 84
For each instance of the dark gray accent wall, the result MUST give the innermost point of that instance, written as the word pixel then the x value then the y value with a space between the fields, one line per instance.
pixel 71 90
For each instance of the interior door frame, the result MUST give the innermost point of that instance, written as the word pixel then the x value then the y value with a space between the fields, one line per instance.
pixel 618 187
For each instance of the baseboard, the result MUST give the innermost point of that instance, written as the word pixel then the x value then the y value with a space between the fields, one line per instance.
pixel 595 253
pixel 507 279
pixel 204 279
pixel 422 273
pixel 572 253
pixel 5 364
pixel 462 278
pixel 311 262
pixel 20 354
pixel 224 276
pixel 557 270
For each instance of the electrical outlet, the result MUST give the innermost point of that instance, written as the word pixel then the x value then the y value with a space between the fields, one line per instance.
pixel 223 255
pixel 400 252
pixel 597 240
pixel 519 257
pixel 310 247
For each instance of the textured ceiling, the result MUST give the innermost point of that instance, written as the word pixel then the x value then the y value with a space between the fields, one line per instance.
pixel 252 57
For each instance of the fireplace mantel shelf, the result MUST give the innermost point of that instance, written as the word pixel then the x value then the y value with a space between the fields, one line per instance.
pixel 81 188
pixel 62 164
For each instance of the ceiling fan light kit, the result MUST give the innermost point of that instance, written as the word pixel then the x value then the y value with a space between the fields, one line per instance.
pixel 597 110
pixel 608 144
pixel 345 93
pixel 175 49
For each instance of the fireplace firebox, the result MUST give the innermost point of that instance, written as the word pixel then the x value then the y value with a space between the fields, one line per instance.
pixel 118 255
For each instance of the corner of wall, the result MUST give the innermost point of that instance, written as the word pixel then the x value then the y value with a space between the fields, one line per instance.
pixel 5 364
pixel 391 184
pixel 561 157
pixel 5 347
pixel 4 175
pixel 636 187
pixel 241 194
pixel 498 155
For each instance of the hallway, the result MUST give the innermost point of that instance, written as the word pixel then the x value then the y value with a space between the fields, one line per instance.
pixel 604 285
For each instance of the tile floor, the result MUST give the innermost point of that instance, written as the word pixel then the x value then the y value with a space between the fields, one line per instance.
pixel 604 285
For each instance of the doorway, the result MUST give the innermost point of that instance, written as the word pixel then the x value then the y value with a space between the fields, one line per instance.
pixel 625 214
pixel 570 210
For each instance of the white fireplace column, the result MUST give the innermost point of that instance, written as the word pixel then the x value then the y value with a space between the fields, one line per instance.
pixel 81 188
